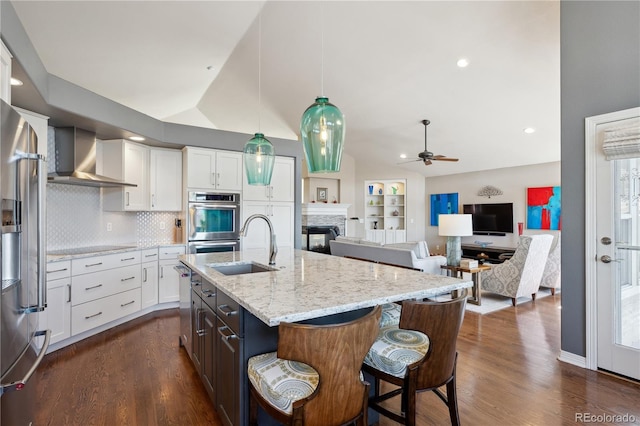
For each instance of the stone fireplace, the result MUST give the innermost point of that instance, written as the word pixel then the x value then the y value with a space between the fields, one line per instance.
pixel 325 214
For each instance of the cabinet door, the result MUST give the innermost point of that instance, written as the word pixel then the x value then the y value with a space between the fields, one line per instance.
pixel 165 180
pixel 149 285
pixel 229 171
pixel 136 170
pixel 57 315
pixel 282 180
pixel 196 331
pixel 281 216
pixel 228 374
pixel 209 344
pixel 168 282
pixel 201 168
pixel 257 234
pixel 5 74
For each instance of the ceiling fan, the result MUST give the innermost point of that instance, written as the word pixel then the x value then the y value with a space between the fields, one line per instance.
pixel 427 156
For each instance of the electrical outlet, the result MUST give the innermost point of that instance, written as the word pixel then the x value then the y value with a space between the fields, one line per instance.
pixel 161 225
pixel 109 227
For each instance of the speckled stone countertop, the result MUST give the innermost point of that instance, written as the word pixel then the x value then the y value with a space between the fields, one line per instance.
pixel 89 251
pixel 311 285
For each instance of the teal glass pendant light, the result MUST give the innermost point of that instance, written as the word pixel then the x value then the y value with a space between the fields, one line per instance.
pixel 259 157
pixel 259 154
pixel 322 129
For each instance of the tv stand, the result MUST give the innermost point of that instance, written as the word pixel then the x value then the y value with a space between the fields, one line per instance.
pixel 491 253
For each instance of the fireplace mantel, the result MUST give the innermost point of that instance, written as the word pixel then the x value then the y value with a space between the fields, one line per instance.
pixel 324 209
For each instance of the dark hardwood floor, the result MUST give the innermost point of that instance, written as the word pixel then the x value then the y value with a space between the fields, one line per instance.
pixel 508 374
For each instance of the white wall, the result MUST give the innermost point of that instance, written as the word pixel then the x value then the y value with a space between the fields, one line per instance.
pixel 342 182
pixel 513 182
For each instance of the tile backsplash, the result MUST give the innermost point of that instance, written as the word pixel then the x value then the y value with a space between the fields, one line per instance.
pixel 75 217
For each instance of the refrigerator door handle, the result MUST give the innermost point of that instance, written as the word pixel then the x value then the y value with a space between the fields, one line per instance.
pixel 18 385
pixel 41 303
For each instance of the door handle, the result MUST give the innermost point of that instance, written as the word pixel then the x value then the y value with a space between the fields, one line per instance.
pixel 607 259
pixel 20 384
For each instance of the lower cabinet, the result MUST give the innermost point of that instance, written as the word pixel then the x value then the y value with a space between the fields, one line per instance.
pixel 57 316
pixel 169 278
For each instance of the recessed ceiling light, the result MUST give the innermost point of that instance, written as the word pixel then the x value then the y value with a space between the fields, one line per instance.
pixel 462 62
pixel 403 155
pixel 16 82
pixel 136 138
pixel 529 130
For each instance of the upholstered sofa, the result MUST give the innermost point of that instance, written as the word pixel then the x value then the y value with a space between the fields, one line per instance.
pixel 411 255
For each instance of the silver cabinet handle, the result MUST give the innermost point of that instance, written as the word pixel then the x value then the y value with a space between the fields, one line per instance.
pixel 92 287
pixel 20 384
pixel 58 270
pixel 151 255
pixel 69 288
pixel 93 264
pixel 127 258
pixel 127 279
pixel 126 304
pixel 226 336
pixel 213 179
pixel 153 200
pixel 127 196
pixel 182 271
pixel 199 331
pixel 217 179
pixel 226 310
pixel 94 315
pixel 162 272
pixel 145 275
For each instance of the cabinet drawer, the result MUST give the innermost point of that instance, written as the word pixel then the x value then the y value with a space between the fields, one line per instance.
pixel 57 270
pixel 149 255
pixel 98 312
pixel 230 312
pixel 171 252
pixel 105 283
pixel 101 263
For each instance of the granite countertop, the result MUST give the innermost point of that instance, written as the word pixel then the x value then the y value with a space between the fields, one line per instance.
pixel 309 285
pixel 89 251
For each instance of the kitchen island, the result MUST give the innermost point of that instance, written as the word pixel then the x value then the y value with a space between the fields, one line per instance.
pixel 234 317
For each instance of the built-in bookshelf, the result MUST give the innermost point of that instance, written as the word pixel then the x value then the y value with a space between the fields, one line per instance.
pixel 385 210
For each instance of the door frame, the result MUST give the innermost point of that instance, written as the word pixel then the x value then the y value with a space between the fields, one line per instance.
pixel 590 243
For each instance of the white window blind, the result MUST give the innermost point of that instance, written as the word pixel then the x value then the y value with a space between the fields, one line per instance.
pixel 623 142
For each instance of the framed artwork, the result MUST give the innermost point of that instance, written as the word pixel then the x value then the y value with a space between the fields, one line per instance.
pixel 443 204
pixel 544 208
pixel 321 194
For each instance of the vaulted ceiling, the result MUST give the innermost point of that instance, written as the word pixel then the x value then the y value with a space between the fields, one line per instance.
pixel 246 66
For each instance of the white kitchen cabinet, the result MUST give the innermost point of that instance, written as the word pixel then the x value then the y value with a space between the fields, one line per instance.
pixel 282 187
pixel 149 280
pixel 281 216
pixel 104 289
pixel 168 278
pixel 57 315
pixel 5 73
pixel 129 162
pixel 213 169
pixel 165 179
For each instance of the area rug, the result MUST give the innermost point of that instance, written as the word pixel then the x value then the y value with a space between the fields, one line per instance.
pixel 492 302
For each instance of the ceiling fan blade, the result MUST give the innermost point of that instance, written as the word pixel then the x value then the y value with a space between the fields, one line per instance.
pixel 410 161
pixel 443 158
pixel 427 162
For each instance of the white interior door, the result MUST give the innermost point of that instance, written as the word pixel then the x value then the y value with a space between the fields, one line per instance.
pixel 617 240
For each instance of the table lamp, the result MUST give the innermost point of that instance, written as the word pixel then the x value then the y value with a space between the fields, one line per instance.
pixel 454 226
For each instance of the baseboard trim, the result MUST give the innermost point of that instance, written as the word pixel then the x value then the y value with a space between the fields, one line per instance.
pixel 572 358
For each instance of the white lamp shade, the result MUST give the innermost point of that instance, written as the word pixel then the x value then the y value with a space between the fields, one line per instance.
pixel 455 225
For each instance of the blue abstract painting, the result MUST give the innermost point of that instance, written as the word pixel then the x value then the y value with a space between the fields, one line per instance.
pixel 443 204
pixel 544 208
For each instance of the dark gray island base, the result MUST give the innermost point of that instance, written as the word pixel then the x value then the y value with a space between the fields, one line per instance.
pixel 220 331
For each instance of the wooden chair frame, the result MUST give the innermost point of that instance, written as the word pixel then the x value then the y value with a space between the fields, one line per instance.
pixel 441 322
pixel 336 352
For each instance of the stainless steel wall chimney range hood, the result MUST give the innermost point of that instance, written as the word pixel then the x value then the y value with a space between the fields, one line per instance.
pixel 75 160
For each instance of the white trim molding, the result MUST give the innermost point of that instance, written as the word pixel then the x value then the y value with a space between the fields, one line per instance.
pixel 573 359
pixel 322 209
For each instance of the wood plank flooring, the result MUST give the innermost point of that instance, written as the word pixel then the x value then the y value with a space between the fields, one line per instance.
pixel 508 374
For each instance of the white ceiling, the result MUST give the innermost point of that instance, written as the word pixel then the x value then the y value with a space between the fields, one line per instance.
pixel 386 65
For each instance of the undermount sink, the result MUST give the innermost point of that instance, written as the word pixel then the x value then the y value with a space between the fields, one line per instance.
pixel 239 268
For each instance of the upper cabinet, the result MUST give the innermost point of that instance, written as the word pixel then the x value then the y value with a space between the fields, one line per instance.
pixel 157 172
pixel 165 179
pixel 5 73
pixel 282 186
pixel 129 162
pixel 213 169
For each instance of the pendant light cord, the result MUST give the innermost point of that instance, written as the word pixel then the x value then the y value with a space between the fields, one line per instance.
pixel 259 71
pixel 322 49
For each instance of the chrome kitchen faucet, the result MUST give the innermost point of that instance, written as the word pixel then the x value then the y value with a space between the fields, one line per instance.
pixel 273 248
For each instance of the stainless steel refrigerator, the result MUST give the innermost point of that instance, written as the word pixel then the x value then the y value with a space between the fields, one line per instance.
pixel 22 266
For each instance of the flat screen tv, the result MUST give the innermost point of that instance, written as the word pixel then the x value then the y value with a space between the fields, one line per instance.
pixel 490 219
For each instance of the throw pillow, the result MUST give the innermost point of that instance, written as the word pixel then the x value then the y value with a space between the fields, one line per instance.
pixel 424 249
pixel 413 246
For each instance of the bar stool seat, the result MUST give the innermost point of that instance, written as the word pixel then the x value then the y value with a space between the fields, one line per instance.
pixel 281 381
pixel 395 349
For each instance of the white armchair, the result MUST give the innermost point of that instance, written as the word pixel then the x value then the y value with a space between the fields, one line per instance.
pixel 551 275
pixel 520 275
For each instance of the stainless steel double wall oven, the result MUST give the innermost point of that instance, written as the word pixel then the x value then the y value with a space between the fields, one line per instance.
pixel 213 222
